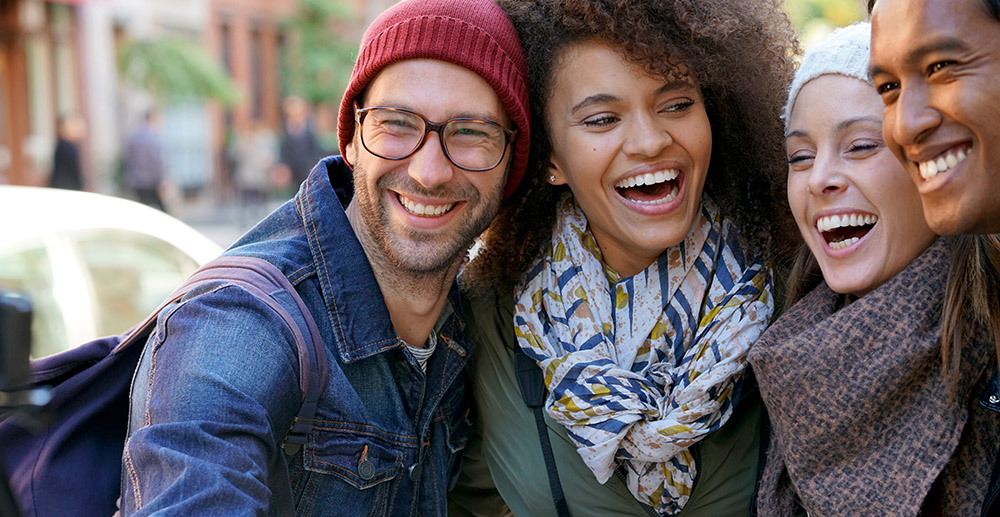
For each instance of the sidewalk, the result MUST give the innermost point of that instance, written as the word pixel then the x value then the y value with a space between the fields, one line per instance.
pixel 222 220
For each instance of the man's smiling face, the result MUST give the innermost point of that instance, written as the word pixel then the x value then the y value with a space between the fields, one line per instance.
pixel 936 64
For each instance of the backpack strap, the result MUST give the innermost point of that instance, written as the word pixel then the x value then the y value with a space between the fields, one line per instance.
pixel 261 278
pixel 532 386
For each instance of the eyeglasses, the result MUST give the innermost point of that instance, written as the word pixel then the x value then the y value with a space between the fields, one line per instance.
pixel 396 133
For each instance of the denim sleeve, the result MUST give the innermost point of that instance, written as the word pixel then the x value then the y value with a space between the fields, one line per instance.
pixel 213 395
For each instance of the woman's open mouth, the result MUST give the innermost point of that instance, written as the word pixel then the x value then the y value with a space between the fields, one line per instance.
pixel 843 230
pixel 651 188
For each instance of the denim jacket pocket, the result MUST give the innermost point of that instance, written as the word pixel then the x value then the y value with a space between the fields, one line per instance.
pixel 360 460
pixel 458 431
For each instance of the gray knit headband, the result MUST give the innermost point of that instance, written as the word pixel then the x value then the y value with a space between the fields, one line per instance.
pixel 845 51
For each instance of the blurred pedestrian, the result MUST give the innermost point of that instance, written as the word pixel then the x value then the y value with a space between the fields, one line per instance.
pixel 144 171
pixel 255 153
pixel 300 150
pixel 70 131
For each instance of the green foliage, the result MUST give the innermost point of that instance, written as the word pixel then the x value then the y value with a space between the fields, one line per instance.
pixel 815 18
pixel 317 61
pixel 836 13
pixel 172 68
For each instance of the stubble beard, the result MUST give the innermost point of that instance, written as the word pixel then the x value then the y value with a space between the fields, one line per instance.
pixel 419 255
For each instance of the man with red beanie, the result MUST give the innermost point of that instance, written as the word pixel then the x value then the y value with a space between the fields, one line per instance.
pixel 434 131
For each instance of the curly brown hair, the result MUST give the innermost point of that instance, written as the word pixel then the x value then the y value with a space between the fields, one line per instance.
pixel 740 53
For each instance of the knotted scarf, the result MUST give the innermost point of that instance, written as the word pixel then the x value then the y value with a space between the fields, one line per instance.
pixel 863 422
pixel 633 373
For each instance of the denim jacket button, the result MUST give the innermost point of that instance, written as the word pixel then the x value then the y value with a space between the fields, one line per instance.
pixel 366 470
pixel 994 399
pixel 415 470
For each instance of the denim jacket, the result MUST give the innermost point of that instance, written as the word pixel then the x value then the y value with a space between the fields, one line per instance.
pixel 217 387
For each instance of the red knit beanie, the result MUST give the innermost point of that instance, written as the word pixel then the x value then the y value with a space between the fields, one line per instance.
pixel 475 34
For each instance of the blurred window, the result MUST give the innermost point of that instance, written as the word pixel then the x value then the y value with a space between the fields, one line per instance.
pixel 30 271
pixel 131 274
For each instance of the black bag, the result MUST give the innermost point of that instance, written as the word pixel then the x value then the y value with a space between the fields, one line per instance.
pixel 73 466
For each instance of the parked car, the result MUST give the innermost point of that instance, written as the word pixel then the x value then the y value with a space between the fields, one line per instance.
pixel 91 264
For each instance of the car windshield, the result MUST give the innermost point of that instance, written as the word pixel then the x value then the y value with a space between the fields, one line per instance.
pixel 90 283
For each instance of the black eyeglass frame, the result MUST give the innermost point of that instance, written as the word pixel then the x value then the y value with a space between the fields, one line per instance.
pixel 508 134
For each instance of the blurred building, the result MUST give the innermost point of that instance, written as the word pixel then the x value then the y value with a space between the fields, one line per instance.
pixel 247 37
pixel 40 78
pixel 60 56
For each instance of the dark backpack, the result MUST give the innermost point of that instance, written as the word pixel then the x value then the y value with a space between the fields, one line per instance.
pixel 73 465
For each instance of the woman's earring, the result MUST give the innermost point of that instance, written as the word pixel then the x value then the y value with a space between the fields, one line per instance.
pixel 552 178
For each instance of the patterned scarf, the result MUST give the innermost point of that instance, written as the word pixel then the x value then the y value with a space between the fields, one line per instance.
pixel 632 373
pixel 863 421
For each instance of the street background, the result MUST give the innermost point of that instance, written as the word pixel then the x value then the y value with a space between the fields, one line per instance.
pixel 230 83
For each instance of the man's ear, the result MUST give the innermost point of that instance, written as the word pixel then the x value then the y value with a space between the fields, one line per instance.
pixel 352 149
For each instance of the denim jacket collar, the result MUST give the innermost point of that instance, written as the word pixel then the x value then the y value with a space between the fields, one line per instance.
pixel 358 314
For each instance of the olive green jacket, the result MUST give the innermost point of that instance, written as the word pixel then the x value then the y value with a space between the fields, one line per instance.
pixel 504 456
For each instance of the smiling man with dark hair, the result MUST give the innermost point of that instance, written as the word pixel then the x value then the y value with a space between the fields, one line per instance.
pixel 434 132
pixel 936 64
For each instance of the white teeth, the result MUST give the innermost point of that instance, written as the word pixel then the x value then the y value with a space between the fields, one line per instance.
pixel 424 210
pixel 839 245
pixel 933 167
pixel 928 170
pixel 832 222
pixel 650 178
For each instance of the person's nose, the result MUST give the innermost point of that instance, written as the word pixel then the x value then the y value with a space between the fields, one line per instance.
pixel 429 166
pixel 827 175
pixel 912 118
pixel 646 138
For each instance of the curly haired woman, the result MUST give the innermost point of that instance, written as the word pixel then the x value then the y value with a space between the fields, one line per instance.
pixel 629 275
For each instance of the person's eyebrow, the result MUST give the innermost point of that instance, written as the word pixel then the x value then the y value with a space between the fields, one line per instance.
pixel 678 84
pixel 916 55
pixel 491 117
pixel 597 98
pixel 841 126
pixel 607 97
pixel 844 124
